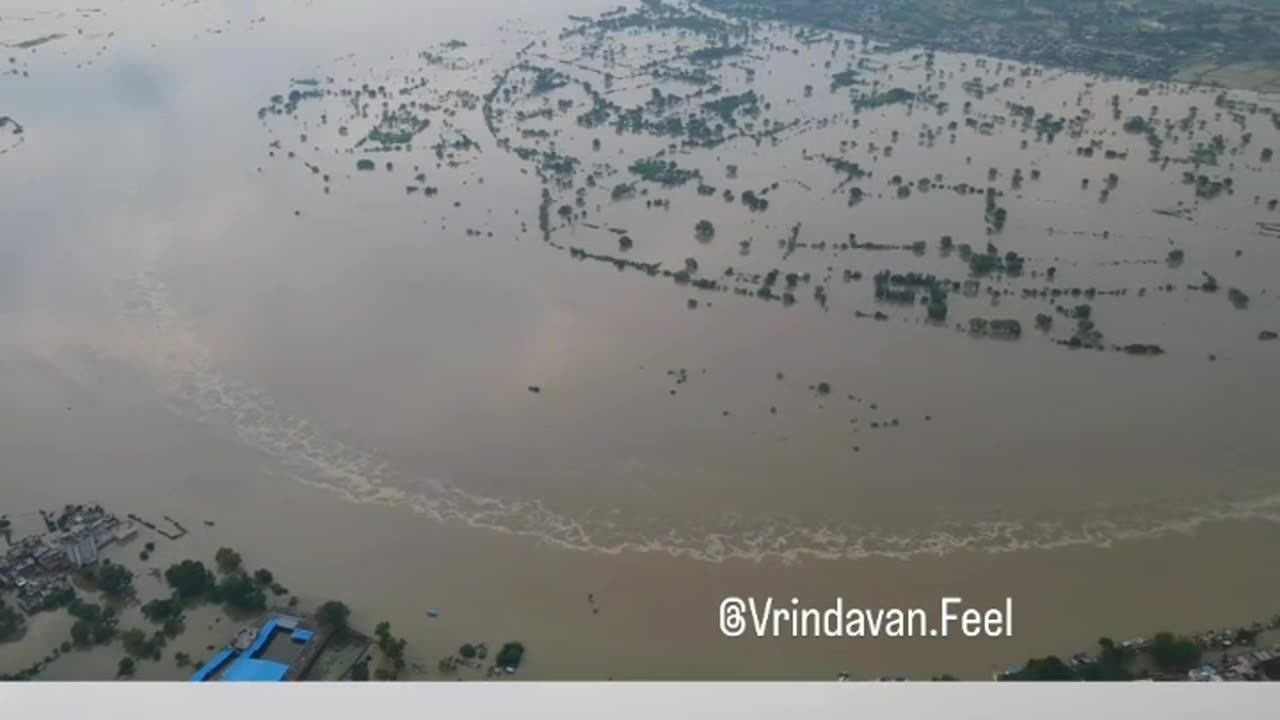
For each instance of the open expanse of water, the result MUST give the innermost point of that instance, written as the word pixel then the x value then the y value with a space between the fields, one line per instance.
pixel 194 323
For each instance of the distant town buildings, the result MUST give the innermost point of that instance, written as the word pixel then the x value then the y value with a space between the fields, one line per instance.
pixel 36 567
pixel 1252 665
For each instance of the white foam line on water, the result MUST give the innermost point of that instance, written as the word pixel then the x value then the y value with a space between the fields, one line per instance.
pixel 200 390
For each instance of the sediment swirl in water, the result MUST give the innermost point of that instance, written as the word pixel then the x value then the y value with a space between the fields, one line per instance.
pixel 201 390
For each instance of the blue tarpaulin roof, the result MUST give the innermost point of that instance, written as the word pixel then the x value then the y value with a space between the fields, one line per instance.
pixel 264 637
pixel 246 667
pixel 213 665
pixel 250 670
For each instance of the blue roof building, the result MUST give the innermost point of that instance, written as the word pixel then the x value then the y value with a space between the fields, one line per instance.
pixel 232 666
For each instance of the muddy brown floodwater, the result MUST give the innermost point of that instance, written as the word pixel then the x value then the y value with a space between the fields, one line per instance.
pixel 213 313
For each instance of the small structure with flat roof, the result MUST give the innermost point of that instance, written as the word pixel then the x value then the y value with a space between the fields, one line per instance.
pixel 272 652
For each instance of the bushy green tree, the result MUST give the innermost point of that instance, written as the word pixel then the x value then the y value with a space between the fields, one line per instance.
pixel 228 560
pixel 114 579
pixel 335 613
pixel 1174 654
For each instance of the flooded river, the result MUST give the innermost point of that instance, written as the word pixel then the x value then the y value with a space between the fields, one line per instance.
pixel 414 399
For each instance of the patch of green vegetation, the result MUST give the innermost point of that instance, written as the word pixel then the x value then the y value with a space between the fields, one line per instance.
pixel 163 610
pixel 622 264
pixel 715 52
pixel 728 106
pixel 288 104
pixel 113 579
pixel 190 579
pixel 510 655
pixel 238 592
pixel 94 624
pixel 1137 125
pixel 655 16
pixel 544 214
pixel 1238 298
pixel 192 582
pixel 1048 126
pixel 545 80
pixel 850 170
pixel 228 560
pixel 1209 187
pixel 990 262
pixel 995 215
pixel 392 649
pixel 396 128
pixel 663 172
pixel 845 78
pixel 140 645
pixel 11 623
pixel 1143 349
pixel 1174 654
pixel 754 202
pixel 1112 663
pixel 888 97
pixel 1089 36
pixel 1005 328
pixel 1203 155
pixel 549 163
pixel 621 191
pixel 334 613
pixel 34 42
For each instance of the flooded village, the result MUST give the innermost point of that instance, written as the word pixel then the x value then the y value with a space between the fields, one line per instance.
pixel 668 81
pixel 651 303
pixel 36 567
pixel 1212 43
pixel 69 567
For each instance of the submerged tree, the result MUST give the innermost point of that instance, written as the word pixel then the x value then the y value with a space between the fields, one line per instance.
pixel 228 560
pixel 114 579
pixel 334 613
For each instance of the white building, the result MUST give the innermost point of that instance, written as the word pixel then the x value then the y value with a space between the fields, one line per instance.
pixel 82 553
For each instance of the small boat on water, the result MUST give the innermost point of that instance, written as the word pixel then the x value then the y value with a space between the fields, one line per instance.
pixel 433 613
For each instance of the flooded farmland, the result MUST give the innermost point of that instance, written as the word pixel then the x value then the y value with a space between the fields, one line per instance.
pixel 540 300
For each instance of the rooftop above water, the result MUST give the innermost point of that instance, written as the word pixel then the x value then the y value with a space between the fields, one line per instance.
pixel 278 644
